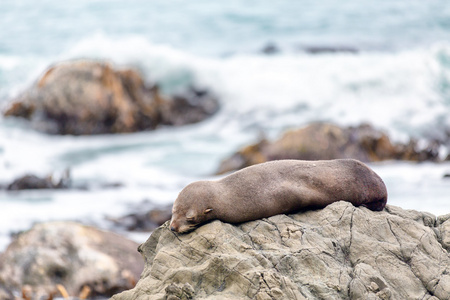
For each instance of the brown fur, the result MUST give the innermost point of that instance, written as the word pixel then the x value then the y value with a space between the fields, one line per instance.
pixel 277 187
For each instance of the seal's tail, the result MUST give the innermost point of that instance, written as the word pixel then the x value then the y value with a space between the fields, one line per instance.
pixel 376 205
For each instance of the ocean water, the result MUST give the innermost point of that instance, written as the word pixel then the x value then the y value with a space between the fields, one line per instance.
pixel 397 77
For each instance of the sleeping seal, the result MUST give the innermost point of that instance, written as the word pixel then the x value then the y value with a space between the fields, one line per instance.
pixel 277 187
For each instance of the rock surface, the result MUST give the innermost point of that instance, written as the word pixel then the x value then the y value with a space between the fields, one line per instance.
pixel 328 141
pixel 91 97
pixel 339 252
pixel 71 255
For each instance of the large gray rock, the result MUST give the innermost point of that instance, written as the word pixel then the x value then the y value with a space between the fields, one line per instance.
pixel 339 252
pixel 71 255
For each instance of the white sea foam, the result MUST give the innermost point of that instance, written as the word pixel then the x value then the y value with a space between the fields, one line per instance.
pixel 416 186
pixel 403 92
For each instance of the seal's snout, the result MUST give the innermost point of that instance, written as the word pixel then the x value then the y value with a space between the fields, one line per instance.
pixel 173 226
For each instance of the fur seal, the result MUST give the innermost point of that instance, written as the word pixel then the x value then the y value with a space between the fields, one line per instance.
pixel 277 187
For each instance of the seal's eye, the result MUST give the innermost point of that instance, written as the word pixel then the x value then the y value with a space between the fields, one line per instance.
pixel 191 220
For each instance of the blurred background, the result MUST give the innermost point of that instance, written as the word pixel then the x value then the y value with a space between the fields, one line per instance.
pixel 271 66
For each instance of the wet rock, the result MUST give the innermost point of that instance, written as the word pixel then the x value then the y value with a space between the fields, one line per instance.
pixel 110 185
pixel 69 256
pixel 160 216
pixel 270 48
pixel 147 221
pixel 33 182
pixel 339 252
pixel 319 141
pixel 28 182
pixel 328 49
pixel 92 97
pixel 192 106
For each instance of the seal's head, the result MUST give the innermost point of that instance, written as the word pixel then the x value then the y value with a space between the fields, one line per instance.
pixel 192 207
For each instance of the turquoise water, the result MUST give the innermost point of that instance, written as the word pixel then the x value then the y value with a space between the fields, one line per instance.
pixel 397 77
pixel 199 26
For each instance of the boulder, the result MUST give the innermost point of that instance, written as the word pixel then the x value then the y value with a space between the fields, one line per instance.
pixel 319 141
pixel 339 252
pixel 68 256
pixel 192 106
pixel 33 182
pixel 92 97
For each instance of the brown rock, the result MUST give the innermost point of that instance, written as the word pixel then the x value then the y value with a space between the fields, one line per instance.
pixel 339 252
pixel 319 141
pixel 88 97
pixel 32 182
pixel 71 255
pixel 28 182
pixel 91 97
pixel 247 156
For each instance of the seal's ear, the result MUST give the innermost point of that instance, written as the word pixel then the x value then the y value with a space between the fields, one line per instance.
pixel 207 211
